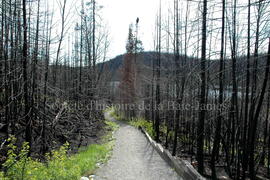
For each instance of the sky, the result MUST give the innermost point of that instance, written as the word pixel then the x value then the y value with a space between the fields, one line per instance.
pixel 119 14
pixel 116 16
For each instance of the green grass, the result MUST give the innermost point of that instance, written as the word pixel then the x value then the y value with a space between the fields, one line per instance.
pixel 59 165
pixel 117 115
pixel 140 122
pixel 146 125
pixel 111 125
pixel 136 122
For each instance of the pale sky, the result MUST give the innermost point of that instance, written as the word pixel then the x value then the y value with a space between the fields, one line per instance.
pixel 117 15
pixel 120 13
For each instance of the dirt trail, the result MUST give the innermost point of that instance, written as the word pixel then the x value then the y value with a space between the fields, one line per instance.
pixel 134 158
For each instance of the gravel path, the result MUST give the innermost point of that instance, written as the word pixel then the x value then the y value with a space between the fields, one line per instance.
pixel 134 158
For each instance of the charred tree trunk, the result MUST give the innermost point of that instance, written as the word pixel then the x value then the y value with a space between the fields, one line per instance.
pixel 217 139
pixel 244 136
pixel 157 121
pixel 256 117
pixel 28 121
pixel 202 112
pixel 177 70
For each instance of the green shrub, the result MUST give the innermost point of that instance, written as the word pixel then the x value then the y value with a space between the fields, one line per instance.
pixel 164 129
pixel 111 125
pixel 136 122
pixel 117 115
pixel 146 125
pixel 59 165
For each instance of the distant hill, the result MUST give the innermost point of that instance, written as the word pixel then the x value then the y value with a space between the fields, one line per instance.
pixel 144 59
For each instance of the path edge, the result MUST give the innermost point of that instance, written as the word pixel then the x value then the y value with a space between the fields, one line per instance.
pixel 182 167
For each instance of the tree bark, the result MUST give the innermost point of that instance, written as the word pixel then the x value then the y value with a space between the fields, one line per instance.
pixel 217 138
pixel 256 117
pixel 202 112
pixel 28 130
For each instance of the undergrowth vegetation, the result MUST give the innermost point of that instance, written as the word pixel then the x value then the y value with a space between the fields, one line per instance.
pixel 136 122
pixel 143 123
pixel 59 165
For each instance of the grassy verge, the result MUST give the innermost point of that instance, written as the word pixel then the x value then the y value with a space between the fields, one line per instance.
pixel 136 122
pixel 118 115
pixel 59 164
pixel 141 122
pixel 146 125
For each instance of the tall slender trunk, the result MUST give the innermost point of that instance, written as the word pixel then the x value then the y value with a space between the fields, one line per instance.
pixel 177 70
pixel 46 73
pixel 202 112
pixel 252 113
pixel 34 64
pixel 157 121
pixel 256 117
pixel 28 130
pixel 4 56
pixel 60 42
pixel 233 115
pixel 244 136
pixel 94 48
pixel 81 50
pixel 216 144
pixel 266 129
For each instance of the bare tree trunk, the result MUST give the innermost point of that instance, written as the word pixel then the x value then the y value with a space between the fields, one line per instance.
pixel 81 50
pixel 34 64
pixel 46 73
pixel 256 117
pixel 233 115
pixel 94 48
pixel 4 56
pixel 177 70
pixel 244 138
pixel 202 112
pixel 157 121
pixel 28 130
pixel 252 113
pixel 265 133
pixel 60 42
pixel 217 139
